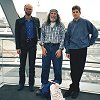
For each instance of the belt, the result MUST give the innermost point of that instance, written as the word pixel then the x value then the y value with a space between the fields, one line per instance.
pixel 51 43
pixel 29 40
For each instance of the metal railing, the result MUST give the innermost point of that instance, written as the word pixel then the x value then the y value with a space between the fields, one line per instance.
pixel 10 60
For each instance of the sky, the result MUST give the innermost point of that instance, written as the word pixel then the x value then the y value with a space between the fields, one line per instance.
pixel 89 8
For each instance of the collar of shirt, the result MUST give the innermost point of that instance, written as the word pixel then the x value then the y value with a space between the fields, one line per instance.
pixel 52 24
pixel 76 20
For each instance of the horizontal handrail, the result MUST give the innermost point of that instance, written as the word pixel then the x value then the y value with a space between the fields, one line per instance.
pixel 8 63
pixel 64 66
pixel 63 60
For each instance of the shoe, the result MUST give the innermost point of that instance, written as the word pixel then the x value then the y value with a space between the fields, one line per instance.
pixel 74 94
pixel 38 92
pixel 31 88
pixel 67 93
pixel 20 87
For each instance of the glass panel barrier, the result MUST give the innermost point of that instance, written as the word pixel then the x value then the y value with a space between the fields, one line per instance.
pixel 10 63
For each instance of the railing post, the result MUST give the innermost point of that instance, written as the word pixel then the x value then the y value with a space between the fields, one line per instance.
pixel 2 73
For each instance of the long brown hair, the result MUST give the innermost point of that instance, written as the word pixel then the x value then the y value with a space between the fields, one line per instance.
pixel 58 21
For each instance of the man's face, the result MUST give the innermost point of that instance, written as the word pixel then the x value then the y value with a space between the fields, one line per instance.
pixel 76 14
pixel 28 10
pixel 53 16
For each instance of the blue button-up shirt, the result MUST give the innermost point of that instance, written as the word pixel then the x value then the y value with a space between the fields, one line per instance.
pixel 29 29
pixel 81 33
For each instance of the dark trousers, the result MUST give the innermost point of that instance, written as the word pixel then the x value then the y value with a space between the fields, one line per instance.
pixel 32 57
pixel 77 64
pixel 46 63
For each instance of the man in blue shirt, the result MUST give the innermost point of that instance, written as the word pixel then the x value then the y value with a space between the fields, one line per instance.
pixel 80 34
pixel 26 35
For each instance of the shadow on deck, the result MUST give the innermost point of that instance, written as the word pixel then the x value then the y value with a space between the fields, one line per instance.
pixel 9 92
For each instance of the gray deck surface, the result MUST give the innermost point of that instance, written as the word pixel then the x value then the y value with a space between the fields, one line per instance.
pixel 9 92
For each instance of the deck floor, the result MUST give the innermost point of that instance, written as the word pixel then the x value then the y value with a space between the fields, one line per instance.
pixel 9 92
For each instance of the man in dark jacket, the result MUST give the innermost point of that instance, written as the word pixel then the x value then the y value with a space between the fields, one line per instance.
pixel 26 36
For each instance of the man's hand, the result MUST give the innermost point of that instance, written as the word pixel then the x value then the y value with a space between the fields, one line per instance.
pixel 58 53
pixel 44 51
pixel 68 55
pixel 19 51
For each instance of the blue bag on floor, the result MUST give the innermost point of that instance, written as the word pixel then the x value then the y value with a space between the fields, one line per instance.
pixel 45 90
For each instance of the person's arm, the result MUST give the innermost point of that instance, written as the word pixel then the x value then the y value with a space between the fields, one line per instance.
pixel 93 31
pixel 39 29
pixel 66 44
pixel 42 38
pixel 62 36
pixel 62 31
pixel 17 34
pixel 41 42
pixel 67 39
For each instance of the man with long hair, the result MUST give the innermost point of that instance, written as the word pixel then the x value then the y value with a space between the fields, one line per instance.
pixel 52 43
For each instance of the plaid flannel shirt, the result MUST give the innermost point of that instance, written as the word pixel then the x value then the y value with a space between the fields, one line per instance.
pixel 54 34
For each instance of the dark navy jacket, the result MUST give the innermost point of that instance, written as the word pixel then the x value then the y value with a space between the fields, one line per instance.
pixel 20 32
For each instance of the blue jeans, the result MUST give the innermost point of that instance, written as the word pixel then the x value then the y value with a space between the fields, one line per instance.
pixel 46 63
